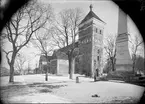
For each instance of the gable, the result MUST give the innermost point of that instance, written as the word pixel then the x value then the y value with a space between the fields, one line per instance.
pixel 90 15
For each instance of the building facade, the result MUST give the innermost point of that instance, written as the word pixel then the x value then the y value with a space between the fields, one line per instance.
pixel 58 62
pixel 90 44
pixel 91 31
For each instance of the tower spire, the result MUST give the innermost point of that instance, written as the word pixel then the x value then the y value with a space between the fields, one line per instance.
pixel 91 6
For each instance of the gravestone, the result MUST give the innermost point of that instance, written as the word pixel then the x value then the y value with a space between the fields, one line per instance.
pixel 123 59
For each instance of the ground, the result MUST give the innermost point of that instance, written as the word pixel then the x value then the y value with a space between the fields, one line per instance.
pixel 61 89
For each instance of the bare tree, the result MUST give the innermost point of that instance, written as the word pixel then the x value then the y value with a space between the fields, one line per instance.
pixel 111 50
pixel 66 32
pixel 135 44
pixel 42 41
pixel 20 29
pixel 20 61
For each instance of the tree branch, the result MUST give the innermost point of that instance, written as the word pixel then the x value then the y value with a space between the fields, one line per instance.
pixel 7 53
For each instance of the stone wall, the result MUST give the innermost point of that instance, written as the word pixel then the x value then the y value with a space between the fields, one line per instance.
pixel 63 67
pixel 123 58
pixel 97 48
pixel 53 68
pixel 59 67
pixel 85 47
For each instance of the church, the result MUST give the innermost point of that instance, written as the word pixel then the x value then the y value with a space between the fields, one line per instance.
pixel 90 45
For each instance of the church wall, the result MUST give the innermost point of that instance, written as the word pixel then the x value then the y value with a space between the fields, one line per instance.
pixel 84 26
pixel 85 32
pixel 90 57
pixel 85 47
pixel 63 67
pixel 53 68
pixel 97 47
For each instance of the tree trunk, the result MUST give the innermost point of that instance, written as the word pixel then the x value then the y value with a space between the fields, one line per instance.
pixel 133 67
pixel 112 61
pixel 47 69
pixel 71 67
pixel 46 74
pixel 11 78
pixel 69 70
pixel 11 64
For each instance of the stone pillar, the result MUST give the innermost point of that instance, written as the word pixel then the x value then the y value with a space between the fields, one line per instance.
pixel 123 59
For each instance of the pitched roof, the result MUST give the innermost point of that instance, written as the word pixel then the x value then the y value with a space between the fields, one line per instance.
pixel 89 16
pixel 54 56
pixel 65 49
pixel 43 58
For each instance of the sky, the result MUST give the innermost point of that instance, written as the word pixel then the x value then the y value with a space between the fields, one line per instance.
pixel 104 9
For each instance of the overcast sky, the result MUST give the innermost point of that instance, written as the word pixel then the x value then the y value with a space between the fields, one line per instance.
pixel 104 9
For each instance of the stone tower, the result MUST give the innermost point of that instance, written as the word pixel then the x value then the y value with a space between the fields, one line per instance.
pixel 123 59
pixel 91 31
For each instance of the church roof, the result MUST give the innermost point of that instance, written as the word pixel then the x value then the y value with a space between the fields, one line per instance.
pixel 65 49
pixel 62 50
pixel 43 58
pixel 60 55
pixel 90 15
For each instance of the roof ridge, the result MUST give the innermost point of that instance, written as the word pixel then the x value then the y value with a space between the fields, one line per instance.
pixel 89 16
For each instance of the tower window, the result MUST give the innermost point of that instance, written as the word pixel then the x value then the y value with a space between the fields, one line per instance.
pixel 87 40
pixel 100 31
pixel 98 58
pixel 79 42
pixel 95 63
pixel 96 30
pixel 98 51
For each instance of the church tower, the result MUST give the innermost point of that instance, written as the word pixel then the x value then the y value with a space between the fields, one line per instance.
pixel 91 31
